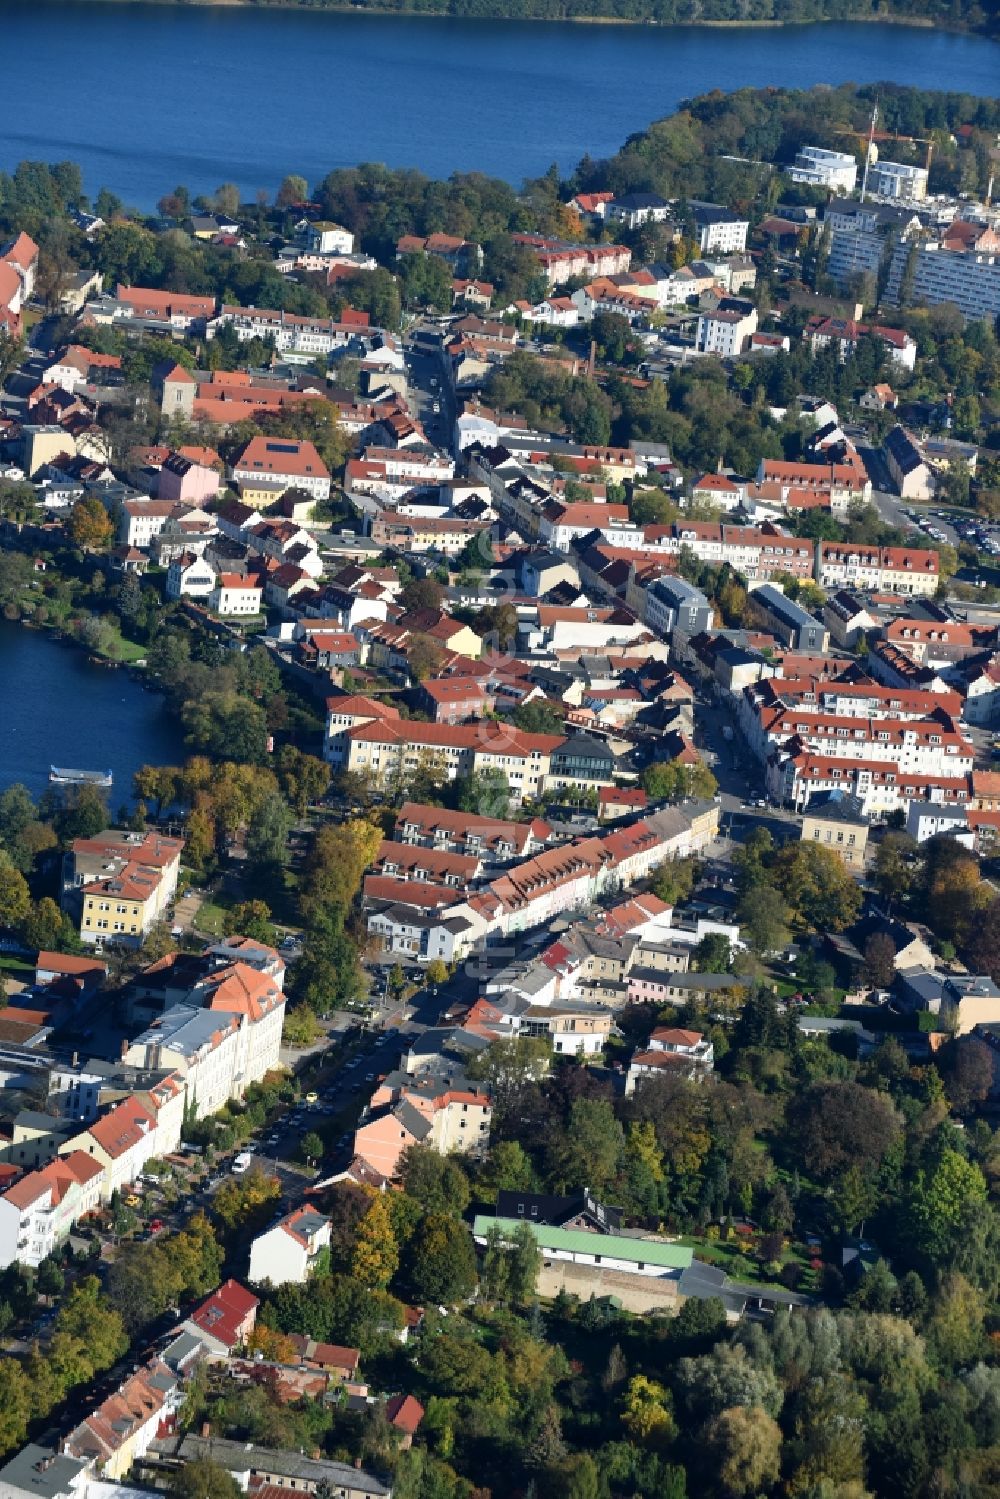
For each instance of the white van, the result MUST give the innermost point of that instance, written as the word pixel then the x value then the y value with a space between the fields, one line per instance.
pixel 242 1162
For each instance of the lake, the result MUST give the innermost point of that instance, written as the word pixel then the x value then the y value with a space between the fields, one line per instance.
pixel 146 97
pixel 61 709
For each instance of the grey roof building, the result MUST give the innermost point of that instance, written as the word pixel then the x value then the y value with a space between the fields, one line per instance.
pixel 244 1461
pixel 794 626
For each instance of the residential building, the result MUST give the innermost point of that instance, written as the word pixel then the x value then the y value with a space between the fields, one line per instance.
pixel 182 313
pixel 271 465
pixel 674 605
pixel 718 230
pixel 727 330
pixel 326 238
pixel 112 1438
pixel 818 167
pixel 490 839
pixel 268 1473
pixel 187 482
pixel 288 1251
pixel 961 266
pixel 794 626
pixel 651 1257
pixel 121 1142
pixel 837 821
pixel 845 334
pixel 38 1212
pixel 120 883
pixel 233 594
pixel 894 179
pixel 910 471
pixel 224 1035
pixel 681 1052
pixel 40 1473
pixel 930 820
pixel 907 570
pixel 190 576
pixel 225 1320
pixel 633 209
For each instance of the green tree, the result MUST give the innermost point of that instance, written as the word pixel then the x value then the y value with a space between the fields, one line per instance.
pixel 293 190
pixel 764 916
pixel 18 1404
pixel 646 1412
pixel 203 1479
pixel 673 781
pixel 714 954
pixel 311 1147
pixel 301 1028
pixel 938 1202
pixel 437 1182
pixel 525 1263
pixel 442 1265
pixel 251 918
pixel 226 726
pixel 268 831
pixel 485 793
pixel 44 925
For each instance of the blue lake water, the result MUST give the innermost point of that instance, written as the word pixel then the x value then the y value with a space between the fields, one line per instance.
pixel 61 709
pixel 145 97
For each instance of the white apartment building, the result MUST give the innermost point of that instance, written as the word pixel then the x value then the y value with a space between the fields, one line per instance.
pixel 816 167
pixel 235 595
pixel 891 179
pixel 970 279
pixel 726 331
pixel 219 1050
pixel 909 570
pixel 326 238
pixel 300 335
pixel 140 520
pixel 38 1212
pixel 718 230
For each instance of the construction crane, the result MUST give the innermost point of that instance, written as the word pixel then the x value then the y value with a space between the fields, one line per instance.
pixel 884 135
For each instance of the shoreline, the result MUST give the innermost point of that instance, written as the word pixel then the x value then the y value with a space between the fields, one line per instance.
pixel 340 8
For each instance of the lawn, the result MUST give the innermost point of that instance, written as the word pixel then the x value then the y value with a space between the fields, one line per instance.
pixel 736 1259
pixel 211 919
pixel 18 967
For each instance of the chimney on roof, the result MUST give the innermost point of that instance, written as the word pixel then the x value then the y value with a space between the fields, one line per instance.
pixel 206 1430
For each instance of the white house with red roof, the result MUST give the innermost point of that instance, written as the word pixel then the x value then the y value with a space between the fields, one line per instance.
pixel 719 491
pixel 38 1212
pixel 18 267
pixel 235 594
pixel 288 1250
pixel 683 1053
pixel 283 463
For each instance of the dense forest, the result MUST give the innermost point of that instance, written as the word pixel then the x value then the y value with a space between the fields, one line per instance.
pixel 959 14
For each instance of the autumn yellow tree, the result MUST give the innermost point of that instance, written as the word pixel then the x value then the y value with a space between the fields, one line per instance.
pixel 337 862
pixel 376 1254
pixel 89 525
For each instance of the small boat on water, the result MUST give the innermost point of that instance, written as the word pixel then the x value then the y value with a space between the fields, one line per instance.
pixel 60 777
